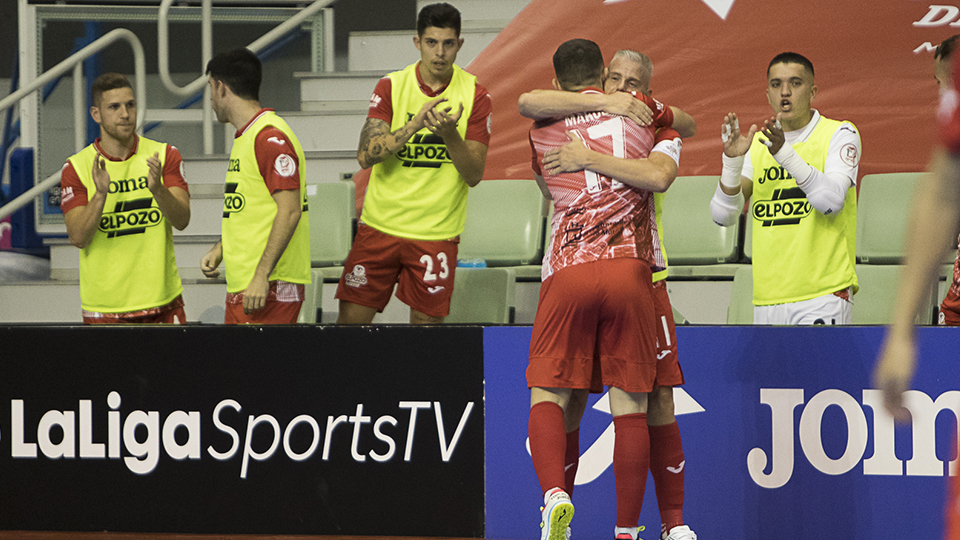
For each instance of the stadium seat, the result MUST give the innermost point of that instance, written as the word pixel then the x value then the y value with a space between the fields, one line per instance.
pixel 679 318
pixel 747 223
pixel 313 294
pixel 944 282
pixel 740 310
pixel 212 315
pixel 482 296
pixel 690 235
pixel 882 211
pixel 878 291
pixel 332 209
pixel 505 223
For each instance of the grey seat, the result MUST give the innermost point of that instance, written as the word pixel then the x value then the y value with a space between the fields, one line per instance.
pixel 878 291
pixel 740 310
pixel 882 210
pixel 505 223
pixel 689 233
pixel 482 296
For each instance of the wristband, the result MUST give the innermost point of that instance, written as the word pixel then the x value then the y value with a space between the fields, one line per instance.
pixel 730 175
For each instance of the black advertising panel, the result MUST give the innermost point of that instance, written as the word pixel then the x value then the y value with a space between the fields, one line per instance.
pixel 260 430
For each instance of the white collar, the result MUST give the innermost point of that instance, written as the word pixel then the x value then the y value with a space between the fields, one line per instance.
pixel 802 134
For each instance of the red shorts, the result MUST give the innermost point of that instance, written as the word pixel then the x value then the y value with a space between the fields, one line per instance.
pixel 423 271
pixel 169 314
pixel 595 327
pixel 283 304
pixel 668 364
pixel 949 314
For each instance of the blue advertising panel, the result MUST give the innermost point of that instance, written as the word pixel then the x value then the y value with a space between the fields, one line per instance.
pixel 783 436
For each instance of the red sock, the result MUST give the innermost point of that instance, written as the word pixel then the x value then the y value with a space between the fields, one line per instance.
pixel 631 460
pixel 547 443
pixel 667 468
pixel 572 460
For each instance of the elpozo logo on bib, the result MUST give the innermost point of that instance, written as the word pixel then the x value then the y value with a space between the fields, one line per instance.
pixel 130 217
pixel 787 207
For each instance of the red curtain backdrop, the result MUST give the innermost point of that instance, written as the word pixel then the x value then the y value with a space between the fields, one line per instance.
pixel 873 62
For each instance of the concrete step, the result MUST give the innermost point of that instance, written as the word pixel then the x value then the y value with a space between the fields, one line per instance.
pixel 322 165
pixel 58 301
pixel 393 50
pixel 329 131
pixel 65 259
pixel 349 86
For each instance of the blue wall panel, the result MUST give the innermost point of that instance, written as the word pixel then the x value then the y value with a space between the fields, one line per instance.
pixel 816 380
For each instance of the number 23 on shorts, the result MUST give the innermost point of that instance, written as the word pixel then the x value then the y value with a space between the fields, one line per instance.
pixel 429 275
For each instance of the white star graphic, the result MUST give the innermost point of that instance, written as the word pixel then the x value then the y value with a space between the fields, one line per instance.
pixel 720 7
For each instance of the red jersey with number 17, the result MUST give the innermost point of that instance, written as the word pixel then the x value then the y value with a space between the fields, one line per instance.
pixel 596 217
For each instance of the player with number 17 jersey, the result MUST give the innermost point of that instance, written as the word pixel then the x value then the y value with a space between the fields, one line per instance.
pixel 597 217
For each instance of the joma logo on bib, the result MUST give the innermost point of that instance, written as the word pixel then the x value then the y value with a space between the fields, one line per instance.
pixel 130 217
pixel 787 207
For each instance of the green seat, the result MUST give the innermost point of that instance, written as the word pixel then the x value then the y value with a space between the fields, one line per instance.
pixel 689 233
pixel 505 223
pixel 482 296
pixel 740 310
pixel 748 239
pixel 312 301
pixel 882 210
pixel 873 304
pixel 332 208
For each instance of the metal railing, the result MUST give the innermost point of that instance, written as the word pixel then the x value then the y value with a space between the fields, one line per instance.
pixel 75 62
pixel 163 47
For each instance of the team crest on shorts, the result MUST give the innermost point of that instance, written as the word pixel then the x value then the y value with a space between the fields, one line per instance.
pixel 357 277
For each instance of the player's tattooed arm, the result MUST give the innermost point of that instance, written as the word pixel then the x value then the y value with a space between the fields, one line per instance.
pixel 377 142
pixel 374 147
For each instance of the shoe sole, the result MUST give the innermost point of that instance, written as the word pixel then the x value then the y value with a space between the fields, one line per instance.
pixel 560 517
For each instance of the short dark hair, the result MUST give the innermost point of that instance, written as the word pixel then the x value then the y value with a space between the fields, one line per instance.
pixel 578 63
pixel 240 70
pixel 105 83
pixel 440 16
pixel 944 50
pixel 791 58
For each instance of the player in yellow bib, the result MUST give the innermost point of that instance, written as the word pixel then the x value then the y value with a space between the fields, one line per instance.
pixel 120 198
pixel 801 178
pixel 426 139
pixel 265 246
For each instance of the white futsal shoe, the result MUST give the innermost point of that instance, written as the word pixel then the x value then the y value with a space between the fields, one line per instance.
pixel 681 532
pixel 556 514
